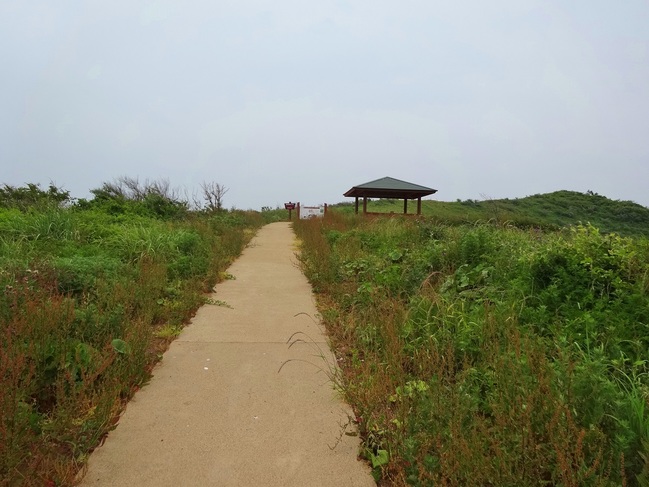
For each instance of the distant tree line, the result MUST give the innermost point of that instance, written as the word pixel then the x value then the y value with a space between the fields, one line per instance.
pixel 32 196
pixel 157 196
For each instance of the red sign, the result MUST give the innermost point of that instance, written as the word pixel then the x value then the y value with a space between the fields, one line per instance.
pixel 289 206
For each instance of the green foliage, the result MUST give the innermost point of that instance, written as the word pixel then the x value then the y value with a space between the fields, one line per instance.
pixel 487 354
pixel 547 211
pixel 31 196
pixel 152 205
pixel 126 195
pixel 80 273
pixel 90 294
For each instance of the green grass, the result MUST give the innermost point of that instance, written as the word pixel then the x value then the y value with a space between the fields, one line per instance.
pixel 550 210
pixel 488 354
pixel 481 345
pixel 91 295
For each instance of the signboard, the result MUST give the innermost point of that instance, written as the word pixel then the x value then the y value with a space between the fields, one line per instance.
pixel 307 212
pixel 289 206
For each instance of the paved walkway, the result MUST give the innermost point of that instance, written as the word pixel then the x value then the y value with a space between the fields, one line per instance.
pixel 217 411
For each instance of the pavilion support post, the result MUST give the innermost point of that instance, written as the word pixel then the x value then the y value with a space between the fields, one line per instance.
pixel 364 204
pixel 405 206
pixel 356 210
pixel 419 206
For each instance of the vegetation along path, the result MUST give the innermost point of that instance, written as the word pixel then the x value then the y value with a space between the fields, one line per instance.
pixel 232 403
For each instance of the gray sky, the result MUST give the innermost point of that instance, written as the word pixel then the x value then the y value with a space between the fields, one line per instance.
pixel 299 100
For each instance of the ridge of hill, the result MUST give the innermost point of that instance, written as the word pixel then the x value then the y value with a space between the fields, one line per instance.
pixel 571 207
pixel 556 209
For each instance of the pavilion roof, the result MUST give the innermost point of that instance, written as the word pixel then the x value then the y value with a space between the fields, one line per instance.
pixel 390 188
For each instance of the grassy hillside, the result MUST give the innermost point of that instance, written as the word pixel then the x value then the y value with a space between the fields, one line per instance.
pixel 91 294
pixel 560 208
pixel 486 354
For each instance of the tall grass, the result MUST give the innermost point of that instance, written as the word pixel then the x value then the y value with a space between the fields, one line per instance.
pixel 83 293
pixel 485 354
pixel 549 211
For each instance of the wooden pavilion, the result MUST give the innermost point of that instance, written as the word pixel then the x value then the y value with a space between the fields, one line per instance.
pixel 390 188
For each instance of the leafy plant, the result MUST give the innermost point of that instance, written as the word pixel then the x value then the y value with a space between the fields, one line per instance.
pixel 91 294
pixel 485 353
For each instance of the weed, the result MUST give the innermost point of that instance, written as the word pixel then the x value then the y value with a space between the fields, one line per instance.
pixel 168 332
pixel 217 302
pixel 88 296
pixel 487 354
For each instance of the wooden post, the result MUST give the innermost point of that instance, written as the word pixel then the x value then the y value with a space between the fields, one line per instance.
pixel 364 204
pixel 325 208
pixel 419 206
pixel 405 206
pixel 356 205
pixel 298 210
pixel 290 206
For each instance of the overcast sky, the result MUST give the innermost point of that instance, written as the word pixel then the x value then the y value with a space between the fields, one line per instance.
pixel 300 100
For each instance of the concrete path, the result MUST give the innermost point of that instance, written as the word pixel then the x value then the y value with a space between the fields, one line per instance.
pixel 219 412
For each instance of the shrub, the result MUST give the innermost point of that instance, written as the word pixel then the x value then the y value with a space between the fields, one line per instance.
pixel 487 354
pixel 84 289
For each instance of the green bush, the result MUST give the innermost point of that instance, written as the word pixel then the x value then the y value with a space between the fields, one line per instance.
pixel 84 289
pixel 488 354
